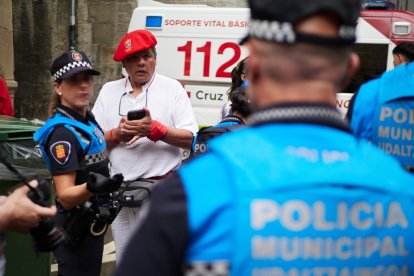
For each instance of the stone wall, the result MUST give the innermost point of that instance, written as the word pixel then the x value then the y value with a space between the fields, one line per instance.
pixel 38 36
pixel 6 45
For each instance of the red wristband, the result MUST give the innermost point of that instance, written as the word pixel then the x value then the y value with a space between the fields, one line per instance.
pixel 111 137
pixel 158 131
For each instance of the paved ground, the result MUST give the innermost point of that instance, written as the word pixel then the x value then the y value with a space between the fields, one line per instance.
pixel 108 260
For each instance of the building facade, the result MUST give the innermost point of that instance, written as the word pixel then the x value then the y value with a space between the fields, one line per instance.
pixel 36 31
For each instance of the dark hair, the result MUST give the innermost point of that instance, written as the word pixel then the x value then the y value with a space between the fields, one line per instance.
pixel 240 101
pixel 406 49
pixel 240 69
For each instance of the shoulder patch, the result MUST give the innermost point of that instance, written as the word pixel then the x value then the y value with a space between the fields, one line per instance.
pixel 61 151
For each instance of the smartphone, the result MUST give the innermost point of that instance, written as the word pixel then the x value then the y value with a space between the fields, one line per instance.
pixel 136 114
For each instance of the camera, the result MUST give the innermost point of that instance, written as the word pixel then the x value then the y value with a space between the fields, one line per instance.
pixel 46 236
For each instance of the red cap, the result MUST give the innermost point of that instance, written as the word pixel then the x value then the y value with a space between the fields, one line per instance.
pixel 133 42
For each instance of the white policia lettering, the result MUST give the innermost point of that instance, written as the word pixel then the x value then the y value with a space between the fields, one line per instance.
pixel 297 215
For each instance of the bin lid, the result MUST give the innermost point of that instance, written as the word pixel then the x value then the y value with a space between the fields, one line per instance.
pixel 16 129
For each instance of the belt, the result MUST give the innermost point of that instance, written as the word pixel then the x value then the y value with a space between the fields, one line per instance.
pixel 161 176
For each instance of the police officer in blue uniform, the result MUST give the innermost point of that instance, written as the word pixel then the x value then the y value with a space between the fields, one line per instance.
pixel 383 113
pixel 74 147
pixel 295 193
pixel 239 111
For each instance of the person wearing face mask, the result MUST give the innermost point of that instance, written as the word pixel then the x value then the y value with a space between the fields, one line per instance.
pixel 382 111
pixel 74 149
pixel 149 148
pixel 403 53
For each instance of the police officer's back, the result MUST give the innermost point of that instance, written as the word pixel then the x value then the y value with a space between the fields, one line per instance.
pixel 239 111
pixel 383 109
pixel 295 193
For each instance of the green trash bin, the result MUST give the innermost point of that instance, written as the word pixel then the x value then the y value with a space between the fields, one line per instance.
pixel 17 145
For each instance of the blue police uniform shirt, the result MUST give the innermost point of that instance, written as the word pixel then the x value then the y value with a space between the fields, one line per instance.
pixel 70 142
pixel 304 198
pixel 323 202
pixel 384 113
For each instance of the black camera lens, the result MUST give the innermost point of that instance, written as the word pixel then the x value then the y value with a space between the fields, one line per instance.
pixel 47 236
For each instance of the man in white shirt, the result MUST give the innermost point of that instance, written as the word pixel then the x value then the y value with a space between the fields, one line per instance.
pixel 144 150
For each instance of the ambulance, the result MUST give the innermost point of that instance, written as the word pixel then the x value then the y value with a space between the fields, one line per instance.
pixel 198 46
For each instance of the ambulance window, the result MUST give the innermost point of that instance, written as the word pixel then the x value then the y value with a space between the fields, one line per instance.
pixel 373 63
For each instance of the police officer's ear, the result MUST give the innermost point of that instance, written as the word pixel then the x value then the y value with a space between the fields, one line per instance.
pixel 56 86
pixel 351 67
pixel 253 63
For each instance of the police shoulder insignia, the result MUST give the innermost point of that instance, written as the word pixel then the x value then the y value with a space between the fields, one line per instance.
pixel 61 151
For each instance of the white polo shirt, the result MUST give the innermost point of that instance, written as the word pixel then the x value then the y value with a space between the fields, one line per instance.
pixel 167 102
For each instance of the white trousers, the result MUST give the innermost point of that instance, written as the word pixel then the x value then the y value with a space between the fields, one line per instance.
pixel 122 228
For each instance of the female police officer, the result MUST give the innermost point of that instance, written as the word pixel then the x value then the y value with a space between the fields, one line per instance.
pixel 73 147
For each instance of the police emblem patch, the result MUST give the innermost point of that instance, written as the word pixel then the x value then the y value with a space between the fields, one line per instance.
pixel 76 56
pixel 61 151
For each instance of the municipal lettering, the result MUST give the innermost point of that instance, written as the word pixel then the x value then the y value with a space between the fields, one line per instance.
pixel 343 248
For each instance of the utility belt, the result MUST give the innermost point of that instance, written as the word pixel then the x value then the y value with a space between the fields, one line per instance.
pixel 136 192
pixel 85 219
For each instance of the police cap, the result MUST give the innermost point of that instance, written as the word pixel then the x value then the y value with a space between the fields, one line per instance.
pixel 70 63
pixel 275 20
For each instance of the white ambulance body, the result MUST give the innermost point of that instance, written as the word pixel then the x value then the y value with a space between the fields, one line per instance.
pixel 198 46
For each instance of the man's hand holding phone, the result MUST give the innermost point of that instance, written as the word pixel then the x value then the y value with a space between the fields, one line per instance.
pixel 137 124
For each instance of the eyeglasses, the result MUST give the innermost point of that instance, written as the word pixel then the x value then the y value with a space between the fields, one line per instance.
pixel 124 105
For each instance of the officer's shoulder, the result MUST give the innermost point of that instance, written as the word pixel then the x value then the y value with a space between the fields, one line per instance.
pixel 207 162
pixel 61 132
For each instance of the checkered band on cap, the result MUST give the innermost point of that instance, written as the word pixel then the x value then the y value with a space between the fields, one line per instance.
pixel 69 67
pixel 284 32
pixel 272 30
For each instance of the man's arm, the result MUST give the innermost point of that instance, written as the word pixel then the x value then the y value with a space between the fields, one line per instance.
pixel 19 213
pixel 178 137
pixel 158 245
